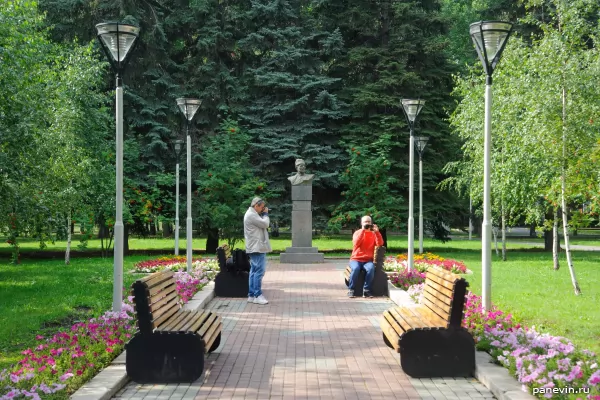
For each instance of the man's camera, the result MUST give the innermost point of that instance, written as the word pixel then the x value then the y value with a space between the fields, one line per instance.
pixel 368 226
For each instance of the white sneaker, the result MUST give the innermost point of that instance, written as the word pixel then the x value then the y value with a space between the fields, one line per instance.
pixel 260 300
pixel 251 299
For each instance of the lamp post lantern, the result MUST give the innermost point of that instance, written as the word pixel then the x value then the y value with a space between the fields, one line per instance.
pixel 490 38
pixel 177 154
pixel 411 108
pixel 189 107
pixel 117 41
pixel 421 143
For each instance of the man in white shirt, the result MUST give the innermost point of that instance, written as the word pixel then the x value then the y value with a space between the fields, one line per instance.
pixel 256 222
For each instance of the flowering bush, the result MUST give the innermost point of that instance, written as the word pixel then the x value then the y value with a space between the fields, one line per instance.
pixel 62 363
pixel 203 271
pixel 423 261
pixel 537 360
pixel 415 292
pixel 174 263
pixel 404 279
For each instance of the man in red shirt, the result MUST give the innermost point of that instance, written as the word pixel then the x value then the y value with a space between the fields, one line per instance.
pixel 363 249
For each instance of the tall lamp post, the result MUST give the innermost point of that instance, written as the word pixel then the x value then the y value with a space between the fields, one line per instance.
pixel 490 38
pixel 117 40
pixel 411 108
pixel 189 107
pixel 177 154
pixel 421 143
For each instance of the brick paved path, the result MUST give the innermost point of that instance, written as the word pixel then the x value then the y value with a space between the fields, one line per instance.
pixel 309 342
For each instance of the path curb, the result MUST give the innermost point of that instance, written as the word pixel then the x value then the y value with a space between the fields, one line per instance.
pixel 114 377
pixel 493 376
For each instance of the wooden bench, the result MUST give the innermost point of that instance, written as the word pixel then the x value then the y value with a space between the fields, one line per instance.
pixel 232 279
pixel 170 344
pixel 379 287
pixel 429 336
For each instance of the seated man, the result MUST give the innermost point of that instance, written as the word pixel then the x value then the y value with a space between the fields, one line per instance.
pixel 363 248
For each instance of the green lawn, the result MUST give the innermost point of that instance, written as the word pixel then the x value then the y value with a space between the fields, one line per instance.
pixel 527 286
pixel 396 243
pixel 38 297
pixel 41 296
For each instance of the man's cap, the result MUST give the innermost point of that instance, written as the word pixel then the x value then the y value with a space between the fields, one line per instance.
pixel 255 201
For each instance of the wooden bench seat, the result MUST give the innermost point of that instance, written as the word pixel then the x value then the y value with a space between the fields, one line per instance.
pixel 429 336
pixel 171 342
pixel 379 287
pixel 232 279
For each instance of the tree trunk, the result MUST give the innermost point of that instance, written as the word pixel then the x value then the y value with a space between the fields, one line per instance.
pixel 103 232
pixel 384 236
pixel 212 241
pixel 495 233
pixel 532 233
pixel 503 235
pixel 72 228
pixel 69 236
pixel 563 195
pixel 126 240
pixel 152 229
pixel 555 241
pixel 167 229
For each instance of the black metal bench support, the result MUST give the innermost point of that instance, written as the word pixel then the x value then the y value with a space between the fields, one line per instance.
pixel 438 353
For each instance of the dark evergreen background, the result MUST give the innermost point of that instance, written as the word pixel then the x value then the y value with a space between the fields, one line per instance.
pixel 302 79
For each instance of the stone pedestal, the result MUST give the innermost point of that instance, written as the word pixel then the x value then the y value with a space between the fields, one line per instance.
pixel 301 251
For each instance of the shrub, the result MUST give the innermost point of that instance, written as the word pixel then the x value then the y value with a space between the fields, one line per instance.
pixel 415 292
pixel 405 278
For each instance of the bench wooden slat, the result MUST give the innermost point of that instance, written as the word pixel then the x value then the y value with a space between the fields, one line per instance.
pixel 212 329
pixel 440 281
pixel 391 334
pixel 399 326
pixel 157 322
pixel 207 324
pixel 165 308
pixel 443 274
pixel 442 289
pixel 190 315
pixel 399 315
pixel 435 320
pixel 435 309
pixel 164 301
pixel 191 321
pixel 152 279
pixel 445 308
pixel 200 321
pixel 162 286
pixel 430 292
pixel 173 321
pixel 215 334
pixel 415 319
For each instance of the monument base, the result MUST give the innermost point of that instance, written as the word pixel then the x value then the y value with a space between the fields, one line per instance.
pixel 301 255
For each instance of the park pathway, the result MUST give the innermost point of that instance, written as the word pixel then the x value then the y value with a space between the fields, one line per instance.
pixel 309 342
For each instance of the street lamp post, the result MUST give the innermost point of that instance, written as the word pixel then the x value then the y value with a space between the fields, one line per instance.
pixel 490 38
pixel 177 154
pixel 189 107
pixel 117 40
pixel 421 143
pixel 411 108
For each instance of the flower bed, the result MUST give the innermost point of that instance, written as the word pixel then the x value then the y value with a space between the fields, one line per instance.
pixel 60 365
pixel 537 360
pixel 424 261
pixel 203 271
pixel 174 263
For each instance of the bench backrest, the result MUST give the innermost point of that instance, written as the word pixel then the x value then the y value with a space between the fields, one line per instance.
pixel 155 300
pixel 379 256
pixel 444 297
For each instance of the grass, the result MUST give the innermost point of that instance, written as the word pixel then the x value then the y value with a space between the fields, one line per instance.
pixel 527 286
pixel 39 297
pixel 324 242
